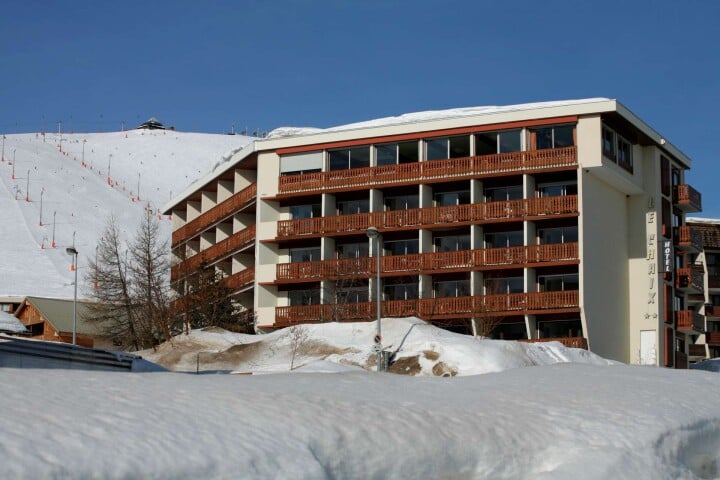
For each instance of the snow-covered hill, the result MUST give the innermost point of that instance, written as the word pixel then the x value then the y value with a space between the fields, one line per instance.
pixel 65 187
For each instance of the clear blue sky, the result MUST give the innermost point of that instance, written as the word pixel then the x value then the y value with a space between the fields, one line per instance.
pixel 204 66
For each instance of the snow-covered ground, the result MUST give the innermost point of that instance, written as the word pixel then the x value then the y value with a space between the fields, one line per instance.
pixel 79 196
pixel 545 413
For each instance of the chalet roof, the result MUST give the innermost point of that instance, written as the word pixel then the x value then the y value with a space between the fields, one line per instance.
pixel 152 124
pixel 9 323
pixel 59 313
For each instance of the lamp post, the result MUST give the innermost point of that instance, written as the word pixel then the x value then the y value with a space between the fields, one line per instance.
pixel 374 234
pixel 74 253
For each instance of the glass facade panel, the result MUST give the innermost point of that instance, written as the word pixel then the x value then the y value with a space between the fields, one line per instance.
pixel 305 211
pixel 401 247
pixel 503 285
pixel 452 288
pixel 510 141
pixel 436 149
pixel 349 207
pixel 486 143
pixel 504 239
pixel 558 283
pixel 400 291
pixel 386 154
pixel 452 198
pixel 402 202
pixel 558 235
pixel 352 250
pixel 346 158
pixel 608 143
pixel 452 243
pixel 560 328
pixel 460 146
pixel 502 194
pixel 304 254
pixel 304 297
pixel 563 136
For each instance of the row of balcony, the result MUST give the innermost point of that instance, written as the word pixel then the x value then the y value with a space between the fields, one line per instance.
pixel 427 217
pixel 687 198
pixel 224 209
pixel 232 244
pixel 689 321
pixel 427 263
pixel 417 172
pixel 432 308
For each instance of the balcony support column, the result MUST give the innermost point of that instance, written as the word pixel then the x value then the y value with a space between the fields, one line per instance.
pixel 531 326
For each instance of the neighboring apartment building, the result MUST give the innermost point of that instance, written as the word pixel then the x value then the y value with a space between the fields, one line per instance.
pixel 557 220
pixel 707 260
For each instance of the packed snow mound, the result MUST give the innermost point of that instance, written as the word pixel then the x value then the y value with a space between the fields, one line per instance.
pixel 418 348
pixel 60 189
pixel 429 115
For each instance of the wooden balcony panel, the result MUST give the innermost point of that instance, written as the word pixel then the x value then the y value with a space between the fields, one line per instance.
pixel 712 338
pixel 428 171
pixel 712 311
pixel 570 342
pixel 688 239
pixel 689 279
pixel 223 209
pixel 240 280
pixel 697 350
pixel 223 248
pixel 690 321
pixel 687 198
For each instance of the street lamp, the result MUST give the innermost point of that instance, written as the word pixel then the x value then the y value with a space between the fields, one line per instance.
pixel 374 234
pixel 73 252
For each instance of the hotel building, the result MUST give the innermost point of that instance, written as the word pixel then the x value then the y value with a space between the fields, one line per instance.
pixel 548 221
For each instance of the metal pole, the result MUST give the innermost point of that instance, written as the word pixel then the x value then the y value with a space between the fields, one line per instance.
pixel 83 158
pixel 3 149
pixel 27 188
pixel 53 236
pixel 75 301
pixel 378 293
pixel 108 173
pixel 42 191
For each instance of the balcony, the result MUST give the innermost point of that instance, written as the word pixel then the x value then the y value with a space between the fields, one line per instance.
pixel 232 244
pixel 689 321
pixel 427 172
pixel 713 278
pixel 697 351
pixel 427 263
pixel 689 280
pixel 432 308
pixel 570 342
pixel 688 239
pixel 712 339
pixel 687 198
pixel 513 210
pixel 217 213
pixel 243 280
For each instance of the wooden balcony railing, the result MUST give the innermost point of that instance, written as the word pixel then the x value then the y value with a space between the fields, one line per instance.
pixel 688 238
pixel 712 338
pixel 697 350
pixel 687 198
pixel 223 248
pixel 461 260
pixel 689 279
pixel 455 168
pixel 240 280
pixel 713 279
pixel 690 321
pixel 570 342
pixel 712 311
pixel 420 217
pixel 223 209
pixel 431 308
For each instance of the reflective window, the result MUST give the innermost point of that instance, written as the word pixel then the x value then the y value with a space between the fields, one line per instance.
pixel 558 283
pixel 352 250
pixel 447 147
pixel 445 199
pixel 554 137
pixel 304 297
pixel 305 211
pixel 504 239
pixel 452 288
pixel 347 158
pixel 491 143
pixel 560 328
pixel 394 153
pixel 557 189
pixel 452 243
pixel 503 285
pixel 502 194
pixel 401 247
pixel 349 207
pixel 402 202
pixel 398 290
pixel 552 235
pixel 304 254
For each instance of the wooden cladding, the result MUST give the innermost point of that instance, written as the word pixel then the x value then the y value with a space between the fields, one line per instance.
pixel 456 168
pixel 687 198
pixel 688 238
pixel 433 308
pixel 223 248
pixel 220 211
pixel 712 338
pixel 427 217
pixel 426 262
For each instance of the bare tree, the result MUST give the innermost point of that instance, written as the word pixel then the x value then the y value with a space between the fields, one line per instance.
pixel 298 336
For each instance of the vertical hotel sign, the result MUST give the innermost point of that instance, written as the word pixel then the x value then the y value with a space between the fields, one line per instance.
pixel 651 228
pixel 667 256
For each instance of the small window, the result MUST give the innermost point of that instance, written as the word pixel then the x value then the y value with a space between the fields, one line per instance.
pixel 608 143
pixel 624 154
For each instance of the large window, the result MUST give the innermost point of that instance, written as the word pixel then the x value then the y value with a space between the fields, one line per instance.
pixel 394 153
pixel 346 158
pixel 311 254
pixel 348 207
pixel 401 247
pixel 352 250
pixel 558 283
pixel 452 243
pixel 309 296
pixel 400 290
pixel 503 285
pixel 504 239
pixel 557 189
pixel 554 137
pixel 352 294
pixel 311 210
pixel 551 235
pixel 490 143
pixel 502 194
pixel 559 328
pixel 451 288
pixel 402 202
pixel 447 147
pixel 445 199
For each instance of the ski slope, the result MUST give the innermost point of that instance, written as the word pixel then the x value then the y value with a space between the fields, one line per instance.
pixel 57 190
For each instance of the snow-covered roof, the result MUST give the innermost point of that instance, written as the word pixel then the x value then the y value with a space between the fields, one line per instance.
pixel 10 323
